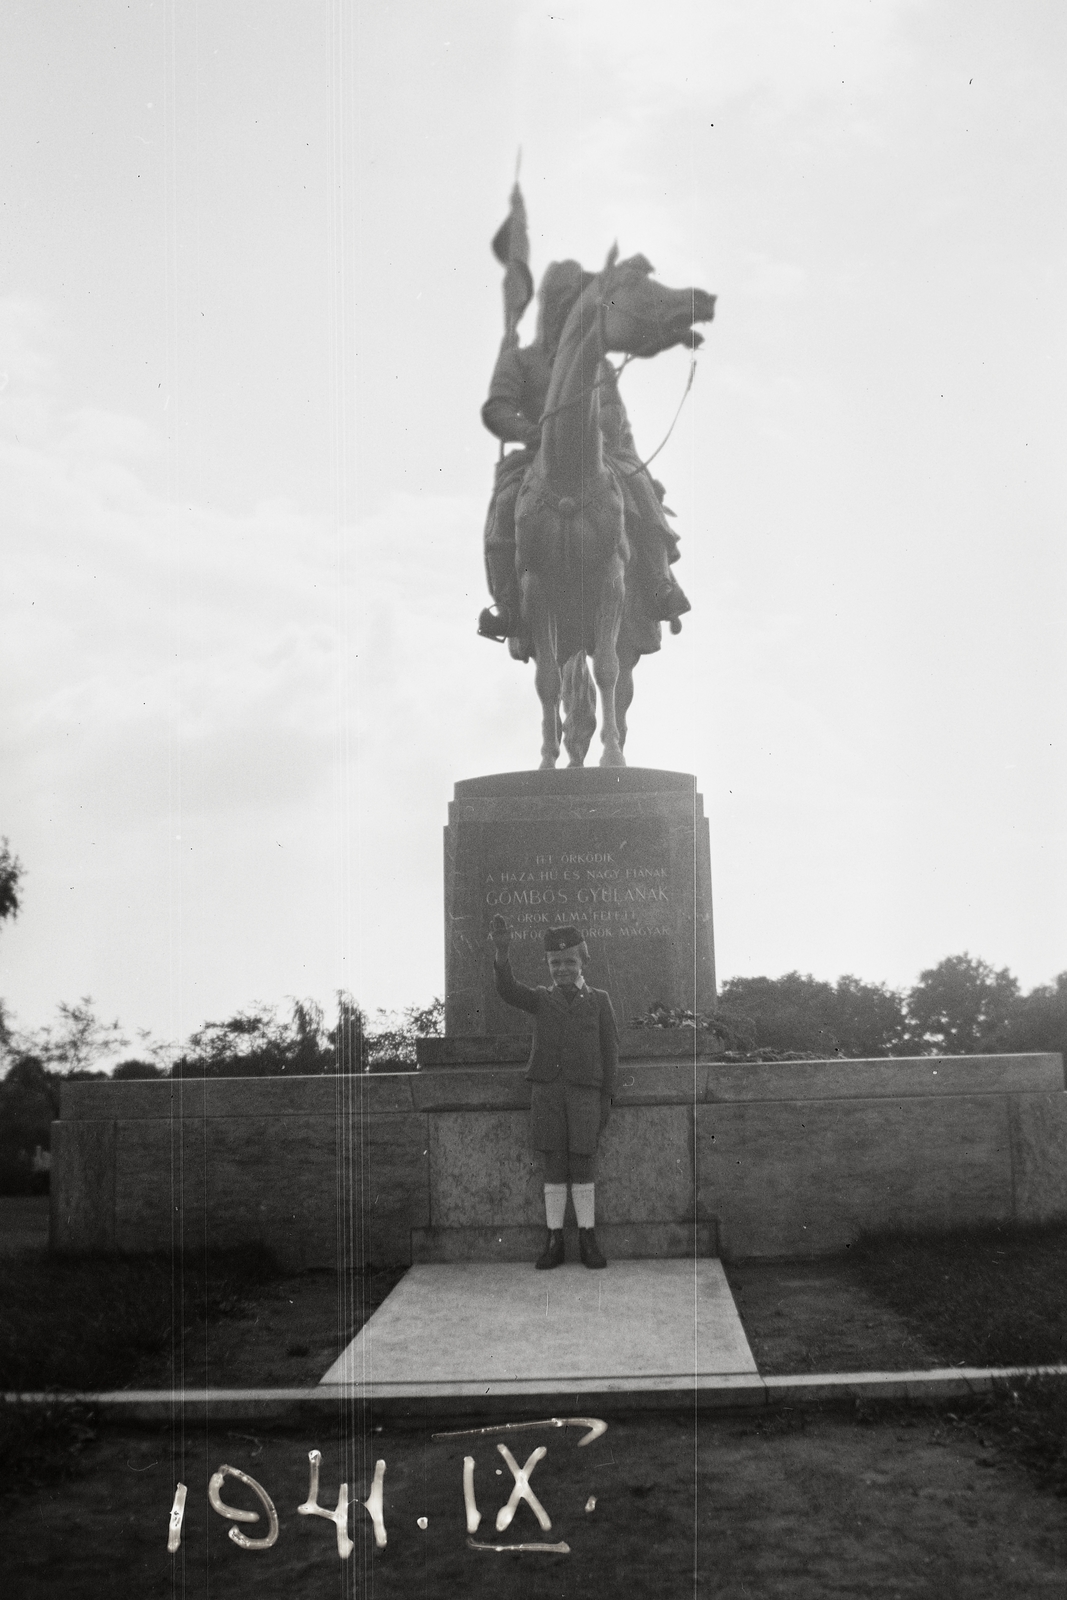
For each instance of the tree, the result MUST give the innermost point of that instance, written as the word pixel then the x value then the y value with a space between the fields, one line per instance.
pixel 136 1068
pixel 76 1042
pixel 392 1044
pixel 868 1019
pixel 258 1043
pixel 11 871
pixel 962 1006
pixel 310 1046
pixel 1039 1019
pixel 348 1038
pixel 29 1103
pixel 793 1012
pixel 797 1012
pixel 29 1094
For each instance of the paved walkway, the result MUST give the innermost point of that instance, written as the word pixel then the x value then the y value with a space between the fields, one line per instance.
pixel 479 1329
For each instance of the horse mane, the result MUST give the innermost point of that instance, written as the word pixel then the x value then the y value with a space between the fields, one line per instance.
pixel 580 324
pixel 581 320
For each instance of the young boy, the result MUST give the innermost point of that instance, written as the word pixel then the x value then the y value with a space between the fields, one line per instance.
pixel 572 1069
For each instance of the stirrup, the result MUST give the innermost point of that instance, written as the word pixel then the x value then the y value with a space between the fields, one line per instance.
pixel 494 623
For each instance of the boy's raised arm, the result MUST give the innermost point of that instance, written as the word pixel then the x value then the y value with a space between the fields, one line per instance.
pixel 514 993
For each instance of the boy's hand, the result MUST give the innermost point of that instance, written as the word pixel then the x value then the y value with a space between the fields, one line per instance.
pixel 500 934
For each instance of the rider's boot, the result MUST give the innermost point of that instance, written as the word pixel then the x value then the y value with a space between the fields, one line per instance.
pixel 502 620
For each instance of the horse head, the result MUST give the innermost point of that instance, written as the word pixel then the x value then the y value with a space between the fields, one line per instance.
pixel 641 317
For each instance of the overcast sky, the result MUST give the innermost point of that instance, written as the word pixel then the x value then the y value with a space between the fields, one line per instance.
pixel 248 314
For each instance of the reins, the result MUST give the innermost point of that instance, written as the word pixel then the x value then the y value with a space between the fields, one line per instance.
pixel 616 374
pixel 644 465
pixel 568 405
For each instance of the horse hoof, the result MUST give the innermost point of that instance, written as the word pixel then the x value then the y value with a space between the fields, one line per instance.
pixel 548 763
pixel 613 758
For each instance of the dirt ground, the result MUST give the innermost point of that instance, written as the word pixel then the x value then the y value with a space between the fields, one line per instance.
pixel 799 1317
pixel 798 1505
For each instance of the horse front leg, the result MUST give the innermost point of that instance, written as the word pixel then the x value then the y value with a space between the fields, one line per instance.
pixel 547 677
pixel 606 662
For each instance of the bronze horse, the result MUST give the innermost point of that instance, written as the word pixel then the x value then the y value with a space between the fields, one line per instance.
pixel 571 546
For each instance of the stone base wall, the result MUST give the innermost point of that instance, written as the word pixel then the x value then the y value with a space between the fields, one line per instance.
pixel 789 1159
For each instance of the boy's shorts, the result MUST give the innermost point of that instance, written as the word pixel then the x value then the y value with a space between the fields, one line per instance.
pixel 564 1117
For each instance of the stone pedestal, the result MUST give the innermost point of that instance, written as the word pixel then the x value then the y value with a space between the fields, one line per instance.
pixel 623 855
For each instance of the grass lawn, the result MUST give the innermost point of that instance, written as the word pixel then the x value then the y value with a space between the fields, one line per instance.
pixel 984 1297
pixel 112 1322
pixel 232 1319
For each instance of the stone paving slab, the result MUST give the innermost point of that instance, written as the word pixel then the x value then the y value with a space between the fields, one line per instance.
pixel 498 1328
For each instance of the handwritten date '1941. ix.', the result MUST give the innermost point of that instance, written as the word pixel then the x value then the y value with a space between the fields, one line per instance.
pixel 374 1503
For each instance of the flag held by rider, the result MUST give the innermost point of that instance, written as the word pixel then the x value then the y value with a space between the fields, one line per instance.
pixel 511 246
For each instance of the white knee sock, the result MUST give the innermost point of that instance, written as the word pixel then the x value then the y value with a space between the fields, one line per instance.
pixel 555 1204
pixel 584 1209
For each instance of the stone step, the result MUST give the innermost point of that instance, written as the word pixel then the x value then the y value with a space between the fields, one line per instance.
pixel 497 1330
pixel 620 1241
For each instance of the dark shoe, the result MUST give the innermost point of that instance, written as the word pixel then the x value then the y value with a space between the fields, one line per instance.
pixel 494 623
pixel 552 1254
pixel 589 1250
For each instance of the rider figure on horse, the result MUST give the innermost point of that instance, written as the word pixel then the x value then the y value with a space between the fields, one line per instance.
pixel 513 413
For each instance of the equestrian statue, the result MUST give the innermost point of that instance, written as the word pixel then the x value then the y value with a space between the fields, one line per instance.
pixel 578 549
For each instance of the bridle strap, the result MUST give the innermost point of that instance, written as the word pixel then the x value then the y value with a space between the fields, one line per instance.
pixel 615 374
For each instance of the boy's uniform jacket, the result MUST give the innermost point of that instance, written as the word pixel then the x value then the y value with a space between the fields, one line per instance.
pixel 575 1048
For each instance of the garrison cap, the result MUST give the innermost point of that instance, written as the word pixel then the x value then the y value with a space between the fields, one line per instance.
pixel 563 938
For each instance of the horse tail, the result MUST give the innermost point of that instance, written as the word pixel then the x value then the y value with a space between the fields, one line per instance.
pixel 575 617
pixel 579 708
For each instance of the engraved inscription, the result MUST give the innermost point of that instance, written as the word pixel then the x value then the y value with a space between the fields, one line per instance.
pixel 612 888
